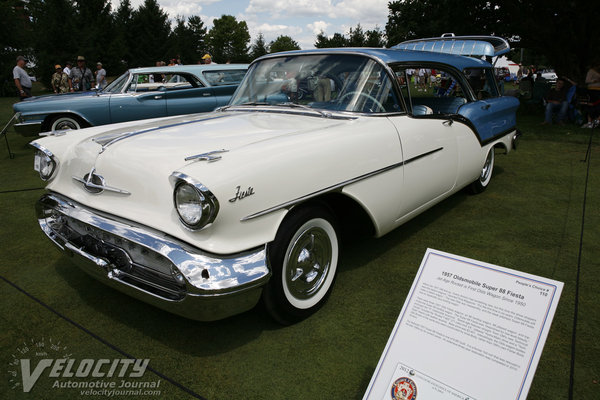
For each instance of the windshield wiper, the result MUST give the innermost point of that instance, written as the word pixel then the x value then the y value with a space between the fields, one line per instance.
pixel 248 103
pixel 296 105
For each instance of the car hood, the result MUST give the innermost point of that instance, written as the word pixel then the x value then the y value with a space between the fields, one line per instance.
pixel 70 97
pixel 136 161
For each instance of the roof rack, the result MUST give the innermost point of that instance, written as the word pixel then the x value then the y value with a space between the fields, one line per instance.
pixel 474 46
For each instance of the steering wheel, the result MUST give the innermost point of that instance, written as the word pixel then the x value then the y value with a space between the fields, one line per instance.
pixel 379 108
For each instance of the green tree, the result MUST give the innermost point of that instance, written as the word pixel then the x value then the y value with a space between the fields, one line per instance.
pixel 123 40
pixel 151 28
pixel 374 38
pixel 198 32
pixel 93 32
pixel 53 42
pixel 322 41
pixel 563 32
pixel 338 40
pixel 283 43
pixel 15 39
pixel 259 48
pixel 356 37
pixel 229 40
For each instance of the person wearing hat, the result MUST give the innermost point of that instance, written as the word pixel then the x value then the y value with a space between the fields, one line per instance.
pixel 22 80
pixel 80 78
pixel 100 76
pixel 60 80
pixel 207 59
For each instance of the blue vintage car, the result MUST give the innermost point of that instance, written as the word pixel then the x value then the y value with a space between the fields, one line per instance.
pixel 139 93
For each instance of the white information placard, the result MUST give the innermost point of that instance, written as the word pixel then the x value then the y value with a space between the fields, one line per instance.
pixel 467 330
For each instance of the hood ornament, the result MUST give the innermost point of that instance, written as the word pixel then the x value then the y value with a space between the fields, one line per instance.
pixel 210 156
pixel 96 184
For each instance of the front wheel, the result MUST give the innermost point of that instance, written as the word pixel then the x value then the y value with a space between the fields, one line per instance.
pixel 66 122
pixel 486 174
pixel 303 259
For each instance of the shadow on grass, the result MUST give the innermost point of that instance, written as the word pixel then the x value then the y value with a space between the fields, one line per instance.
pixel 217 337
pixel 181 334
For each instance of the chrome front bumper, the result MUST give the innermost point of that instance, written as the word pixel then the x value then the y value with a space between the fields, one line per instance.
pixel 27 128
pixel 152 266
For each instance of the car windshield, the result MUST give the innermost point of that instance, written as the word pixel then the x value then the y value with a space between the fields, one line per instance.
pixel 336 82
pixel 117 85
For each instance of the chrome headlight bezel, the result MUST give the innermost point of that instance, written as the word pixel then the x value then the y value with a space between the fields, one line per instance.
pixel 45 162
pixel 189 193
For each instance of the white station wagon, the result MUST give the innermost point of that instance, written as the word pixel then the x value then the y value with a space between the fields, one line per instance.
pixel 205 215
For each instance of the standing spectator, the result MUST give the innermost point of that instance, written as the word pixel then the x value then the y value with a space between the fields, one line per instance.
pixel 60 80
pixel 556 100
pixel 68 66
pixel 207 59
pixel 100 77
pixel 80 78
pixel 592 80
pixel 22 80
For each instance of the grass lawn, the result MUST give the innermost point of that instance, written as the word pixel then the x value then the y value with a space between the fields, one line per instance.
pixel 529 219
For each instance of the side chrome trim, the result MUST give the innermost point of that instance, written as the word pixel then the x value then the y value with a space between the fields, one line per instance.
pixel 109 140
pixel 338 186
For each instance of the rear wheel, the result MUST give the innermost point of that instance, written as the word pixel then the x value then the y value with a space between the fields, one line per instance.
pixel 486 174
pixel 303 259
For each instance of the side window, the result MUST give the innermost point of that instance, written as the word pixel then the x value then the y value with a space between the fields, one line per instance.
pixel 483 82
pixel 179 81
pixel 430 90
pixel 225 77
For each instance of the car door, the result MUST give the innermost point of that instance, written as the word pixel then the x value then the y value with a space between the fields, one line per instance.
pixel 142 99
pixel 491 115
pixel 185 94
pixel 428 135
pixel 224 83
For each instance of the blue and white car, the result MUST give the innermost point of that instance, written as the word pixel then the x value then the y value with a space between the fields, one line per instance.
pixel 206 215
pixel 139 93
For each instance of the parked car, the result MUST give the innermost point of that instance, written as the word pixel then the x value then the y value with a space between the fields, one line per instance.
pixel 205 215
pixel 139 93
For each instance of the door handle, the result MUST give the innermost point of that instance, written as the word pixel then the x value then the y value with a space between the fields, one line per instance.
pixel 486 106
pixel 206 94
pixel 448 122
pixel 158 97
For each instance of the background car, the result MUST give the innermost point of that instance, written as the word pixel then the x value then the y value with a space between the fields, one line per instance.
pixel 205 215
pixel 137 94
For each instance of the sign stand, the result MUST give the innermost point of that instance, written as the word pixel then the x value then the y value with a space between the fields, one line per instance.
pixel 4 132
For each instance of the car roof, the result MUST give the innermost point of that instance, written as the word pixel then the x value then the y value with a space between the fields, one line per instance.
pixel 391 56
pixel 192 68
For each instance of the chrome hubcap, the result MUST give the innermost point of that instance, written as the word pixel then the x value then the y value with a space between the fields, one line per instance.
pixel 66 125
pixel 308 263
pixel 487 167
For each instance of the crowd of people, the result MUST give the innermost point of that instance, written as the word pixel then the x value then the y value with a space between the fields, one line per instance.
pixel 558 100
pixel 565 100
pixel 69 79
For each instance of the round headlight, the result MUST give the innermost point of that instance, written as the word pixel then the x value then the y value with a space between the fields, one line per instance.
pixel 195 204
pixel 189 204
pixel 44 164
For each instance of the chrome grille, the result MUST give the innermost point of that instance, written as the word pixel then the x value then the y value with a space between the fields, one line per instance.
pixel 129 262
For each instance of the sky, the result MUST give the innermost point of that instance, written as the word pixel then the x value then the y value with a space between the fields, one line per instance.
pixel 302 20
